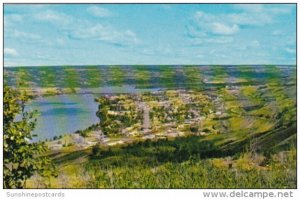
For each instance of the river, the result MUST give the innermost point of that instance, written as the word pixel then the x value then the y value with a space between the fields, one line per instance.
pixel 61 114
pixel 67 113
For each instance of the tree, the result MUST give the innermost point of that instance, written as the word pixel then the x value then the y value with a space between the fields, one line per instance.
pixel 96 150
pixel 194 128
pixel 22 157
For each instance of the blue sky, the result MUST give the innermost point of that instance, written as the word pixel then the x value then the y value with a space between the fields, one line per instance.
pixel 68 34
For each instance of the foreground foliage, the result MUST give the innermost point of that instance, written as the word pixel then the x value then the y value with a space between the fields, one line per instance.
pixel 191 162
pixel 21 157
pixel 195 173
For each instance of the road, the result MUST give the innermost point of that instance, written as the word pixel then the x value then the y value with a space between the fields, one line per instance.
pixel 146 122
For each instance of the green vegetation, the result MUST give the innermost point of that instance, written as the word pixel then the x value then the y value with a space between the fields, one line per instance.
pixel 71 78
pixel 47 77
pixel 93 75
pixel 219 74
pixel 146 76
pixel 23 78
pixel 117 113
pixel 189 162
pixel 166 75
pixel 193 77
pixel 141 76
pixel 208 127
pixel 116 75
pixel 22 159
pixel 245 172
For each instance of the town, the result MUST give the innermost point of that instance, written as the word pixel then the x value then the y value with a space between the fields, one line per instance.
pixel 165 114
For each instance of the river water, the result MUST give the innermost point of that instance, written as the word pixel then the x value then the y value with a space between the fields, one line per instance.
pixel 63 114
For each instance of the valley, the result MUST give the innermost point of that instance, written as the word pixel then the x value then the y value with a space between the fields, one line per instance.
pixel 170 123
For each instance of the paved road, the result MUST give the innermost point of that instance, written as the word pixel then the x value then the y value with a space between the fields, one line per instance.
pixel 146 122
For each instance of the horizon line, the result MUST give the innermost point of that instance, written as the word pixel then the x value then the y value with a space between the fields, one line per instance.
pixel 86 65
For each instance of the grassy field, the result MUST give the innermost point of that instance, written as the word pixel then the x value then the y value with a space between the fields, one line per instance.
pixel 189 162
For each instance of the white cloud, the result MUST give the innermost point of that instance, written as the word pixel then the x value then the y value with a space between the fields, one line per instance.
pixel 284 9
pixel 209 28
pixel 99 11
pixel 267 8
pixel 21 35
pixel 12 19
pixel 209 23
pixel 107 34
pixel 10 52
pixel 250 7
pixel 254 44
pixel 290 50
pixel 33 38
pixel 215 40
pixel 257 14
pixel 223 29
pixel 249 18
pixel 249 14
pixel 220 28
pixel 54 17
pixel 277 33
